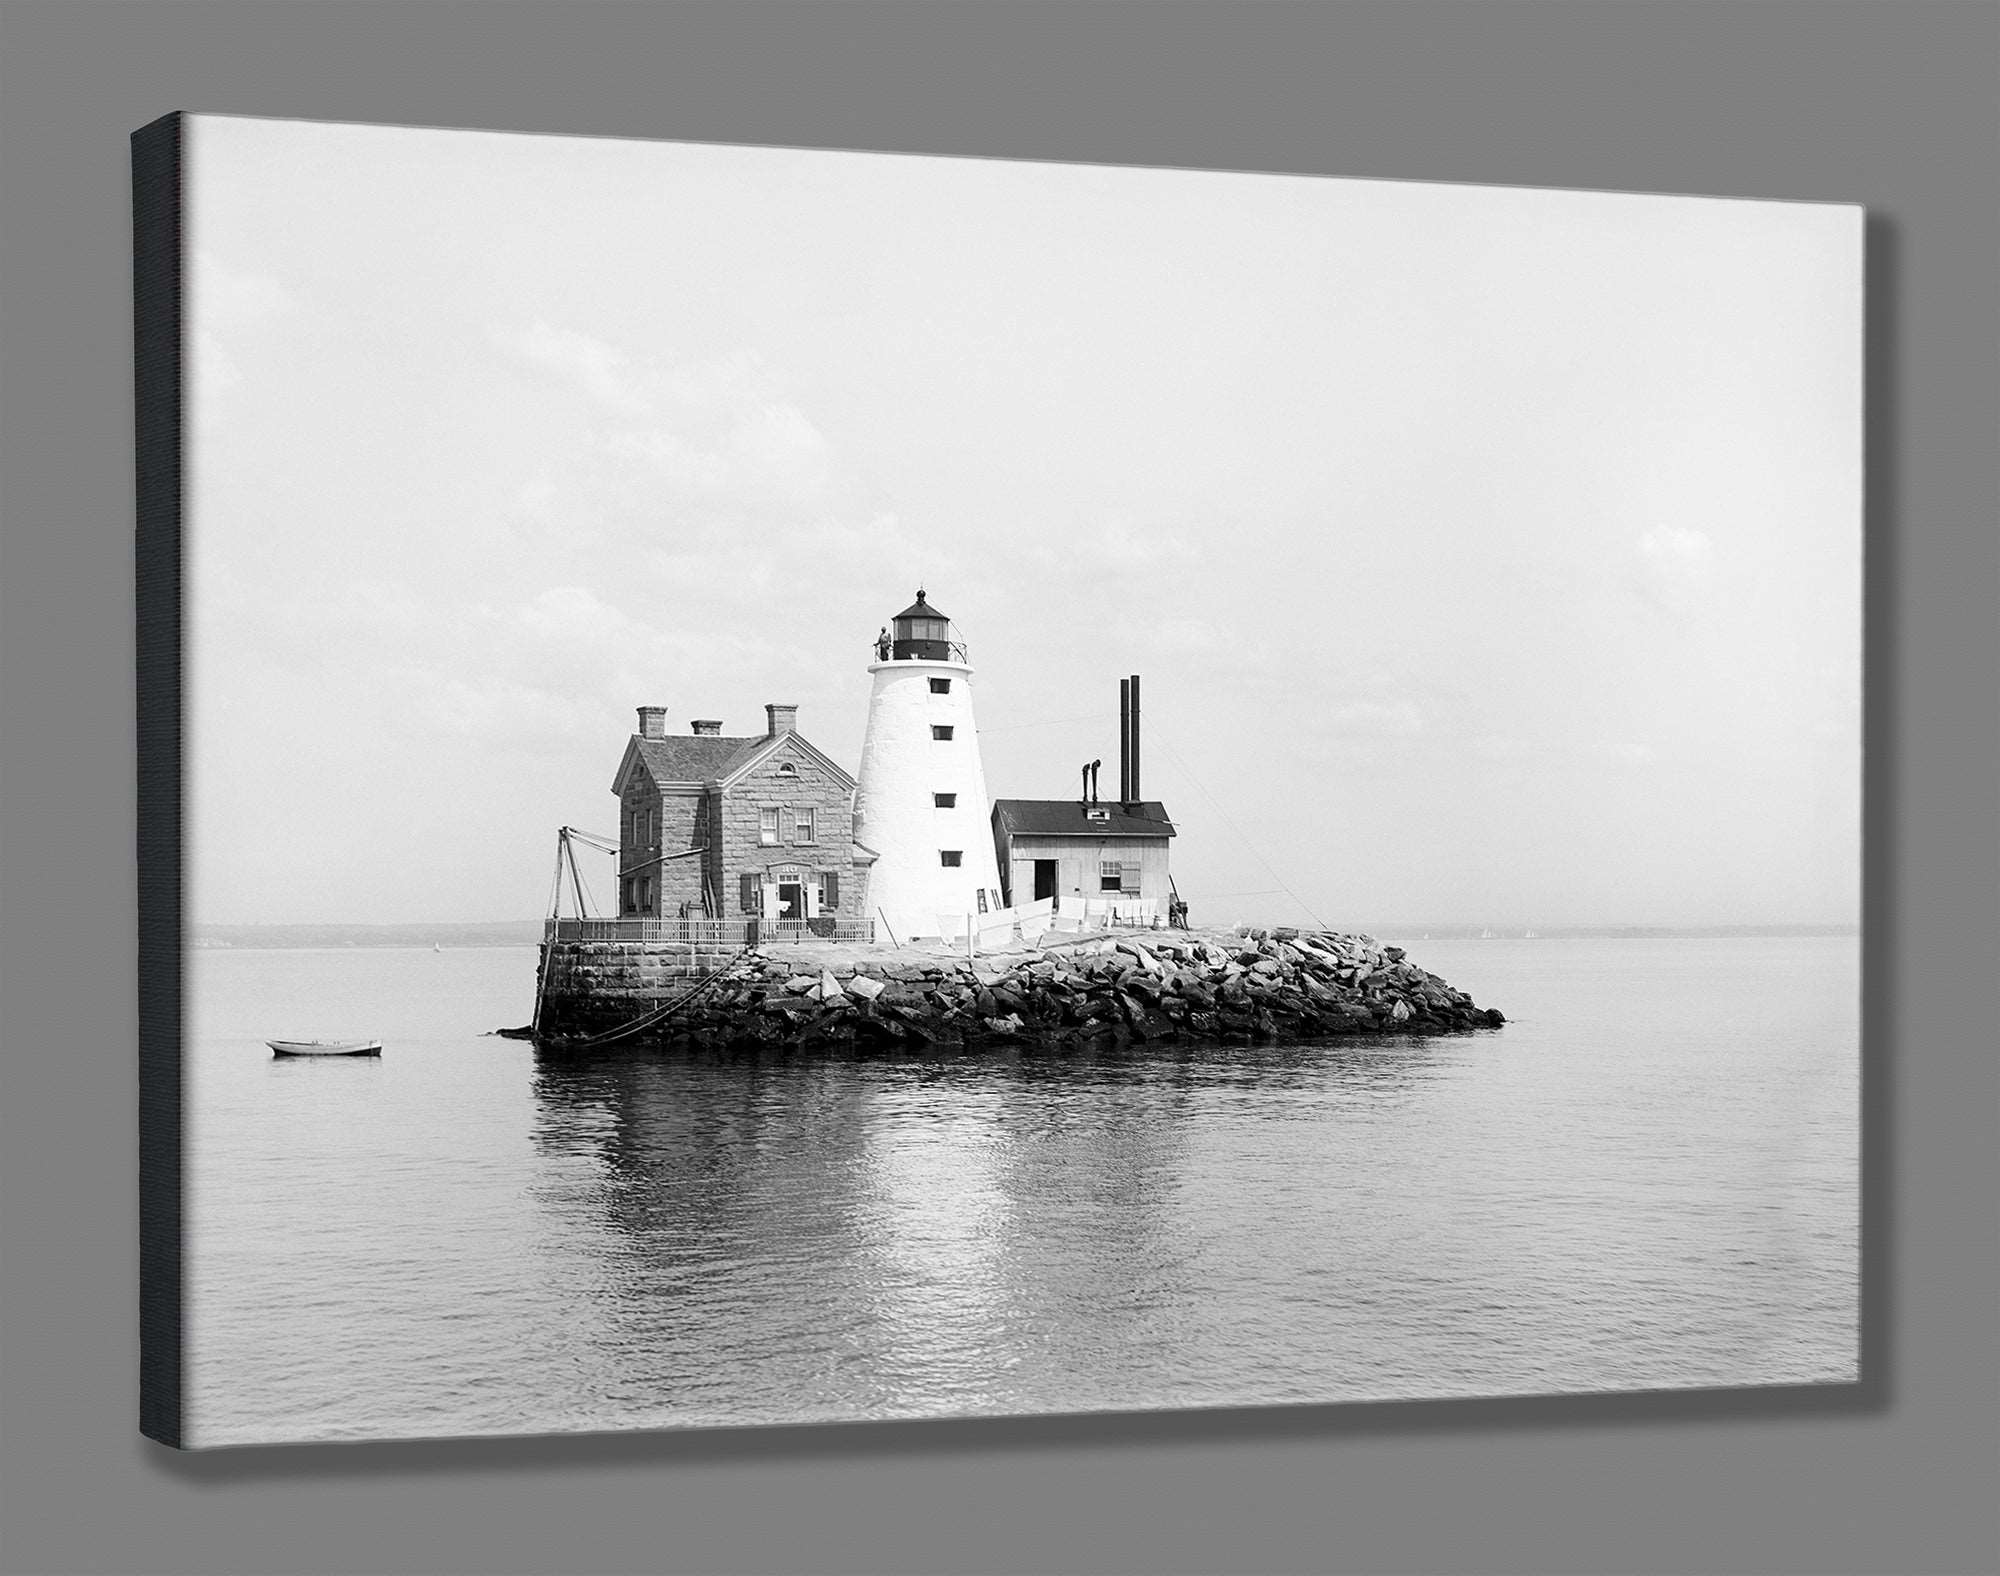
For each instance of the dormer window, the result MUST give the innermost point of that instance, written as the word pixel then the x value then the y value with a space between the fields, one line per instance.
pixel 1098 813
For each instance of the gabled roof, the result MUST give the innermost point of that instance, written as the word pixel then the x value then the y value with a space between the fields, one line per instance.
pixel 763 749
pixel 707 757
pixel 1070 818
pixel 683 758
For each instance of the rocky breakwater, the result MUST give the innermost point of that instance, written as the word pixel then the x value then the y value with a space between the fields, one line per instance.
pixel 1242 986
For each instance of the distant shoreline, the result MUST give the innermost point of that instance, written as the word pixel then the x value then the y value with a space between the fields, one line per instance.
pixel 528 933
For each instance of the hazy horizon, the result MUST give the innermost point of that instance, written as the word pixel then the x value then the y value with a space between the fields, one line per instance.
pixel 1484 551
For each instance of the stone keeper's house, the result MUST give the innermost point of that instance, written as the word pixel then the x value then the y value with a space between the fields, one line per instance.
pixel 725 828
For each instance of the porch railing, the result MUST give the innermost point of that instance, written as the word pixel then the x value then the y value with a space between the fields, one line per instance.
pixel 748 932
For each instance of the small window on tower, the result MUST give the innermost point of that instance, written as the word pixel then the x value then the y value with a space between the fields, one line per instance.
pixel 940 730
pixel 945 801
pixel 940 686
pixel 951 856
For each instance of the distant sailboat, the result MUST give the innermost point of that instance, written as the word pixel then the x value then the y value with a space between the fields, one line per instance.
pixel 1486 935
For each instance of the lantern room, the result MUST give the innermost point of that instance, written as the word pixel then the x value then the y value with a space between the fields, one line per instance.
pixel 921 633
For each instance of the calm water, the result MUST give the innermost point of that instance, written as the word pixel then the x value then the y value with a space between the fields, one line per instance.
pixel 1648 1179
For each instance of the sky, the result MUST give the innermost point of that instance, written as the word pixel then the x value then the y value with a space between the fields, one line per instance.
pixel 1489 555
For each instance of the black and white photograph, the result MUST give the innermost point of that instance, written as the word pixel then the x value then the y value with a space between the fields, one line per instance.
pixel 837 786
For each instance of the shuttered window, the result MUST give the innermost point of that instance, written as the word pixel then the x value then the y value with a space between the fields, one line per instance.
pixel 1130 876
pixel 829 889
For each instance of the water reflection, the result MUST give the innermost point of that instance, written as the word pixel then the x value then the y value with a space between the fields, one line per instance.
pixel 1646 1180
pixel 876 1234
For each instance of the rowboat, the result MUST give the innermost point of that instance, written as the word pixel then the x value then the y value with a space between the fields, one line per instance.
pixel 325 1047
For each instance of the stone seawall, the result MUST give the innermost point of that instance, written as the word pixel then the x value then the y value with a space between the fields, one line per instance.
pixel 1161 985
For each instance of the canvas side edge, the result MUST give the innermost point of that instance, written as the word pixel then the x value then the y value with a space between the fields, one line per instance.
pixel 158 167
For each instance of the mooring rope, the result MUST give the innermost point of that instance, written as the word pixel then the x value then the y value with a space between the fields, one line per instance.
pixel 654 1015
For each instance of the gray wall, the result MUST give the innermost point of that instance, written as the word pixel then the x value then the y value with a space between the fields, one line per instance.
pixel 1891 105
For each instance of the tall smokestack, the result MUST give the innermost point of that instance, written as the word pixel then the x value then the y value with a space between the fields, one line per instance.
pixel 1124 740
pixel 1132 788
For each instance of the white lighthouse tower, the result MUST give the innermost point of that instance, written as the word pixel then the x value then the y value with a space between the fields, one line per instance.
pixel 920 805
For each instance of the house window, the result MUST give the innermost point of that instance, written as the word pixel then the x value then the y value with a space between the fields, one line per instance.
pixel 1110 876
pixel 787 769
pixel 768 822
pixel 829 891
pixel 940 730
pixel 940 686
pixel 802 826
pixel 945 801
pixel 952 857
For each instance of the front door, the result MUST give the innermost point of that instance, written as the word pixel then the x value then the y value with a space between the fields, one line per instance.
pixel 1045 879
pixel 791 900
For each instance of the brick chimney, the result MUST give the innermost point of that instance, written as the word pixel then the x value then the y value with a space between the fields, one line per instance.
pixel 783 719
pixel 652 722
pixel 707 728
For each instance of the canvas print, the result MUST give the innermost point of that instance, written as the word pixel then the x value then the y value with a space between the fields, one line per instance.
pixel 787 786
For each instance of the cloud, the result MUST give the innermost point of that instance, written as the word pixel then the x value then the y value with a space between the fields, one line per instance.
pixel 227 299
pixel 1374 720
pixel 1677 549
pixel 1675 561
pixel 1118 546
pixel 717 440
pixel 1500 749
pixel 554 671
pixel 227 309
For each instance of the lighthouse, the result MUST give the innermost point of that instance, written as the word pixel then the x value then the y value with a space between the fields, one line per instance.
pixel 920 803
